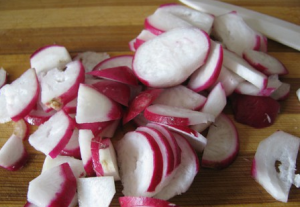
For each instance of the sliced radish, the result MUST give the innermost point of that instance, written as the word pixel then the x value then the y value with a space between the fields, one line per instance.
pixel 131 45
pixel 263 43
pixel 243 69
pixel 88 110
pixel 129 201
pixel 144 36
pixel 98 191
pixel 3 77
pixel 52 136
pixel 255 111
pixel 140 103
pixel 90 59
pixel 21 95
pixel 207 74
pixel 38 116
pixel 170 58
pixel 282 92
pixel 141 164
pixel 121 60
pixel 60 87
pixel 186 172
pixel 104 158
pixel 95 127
pixel 176 116
pixel 264 62
pixel 21 129
pixel 281 148
pixel 13 154
pixel 75 164
pixel 85 139
pixel 49 57
pixel 182 97
pixel 54 187
pixel 72 148
pixel 4 116
pixel 222 144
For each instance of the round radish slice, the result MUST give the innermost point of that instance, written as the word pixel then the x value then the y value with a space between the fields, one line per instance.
pixel 121 60
pixel 141 164
pixel 170 58
pixel 222 144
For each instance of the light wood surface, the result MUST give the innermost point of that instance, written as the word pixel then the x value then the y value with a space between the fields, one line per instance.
pixel 108 26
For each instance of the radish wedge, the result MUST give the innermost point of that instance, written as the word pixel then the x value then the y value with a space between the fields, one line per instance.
pixel 222 144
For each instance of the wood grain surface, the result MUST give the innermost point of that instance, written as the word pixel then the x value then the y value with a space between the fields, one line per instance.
pixel 108 26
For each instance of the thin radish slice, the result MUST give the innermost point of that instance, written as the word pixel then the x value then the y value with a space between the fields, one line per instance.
pixel 116 61
pixel 155 65
pixel 52 137
pixel 182 97
pixel 21 95
pixel 176 116
pixel 263 43
pixel 282 92
pixel 207 74
pixel 85 139
pixel 243 69
pixel 3 77
pixel 264 62
pixel 49 57
pixel 144 36
pixel 54 187
pixel 131 45
pixel 21 129
pixel 141 164
pixel 130 201
pixel 38 116
pixel 13 154
pixel 72 148
pixel 90 59
pixel 280 147
pixel 185 174
pixel 75 164
pixel 222 144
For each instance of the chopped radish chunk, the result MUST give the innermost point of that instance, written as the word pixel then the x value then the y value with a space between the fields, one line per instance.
pixel 222 144
pixel 90 59
pixel 4 116
pixel 3 77
pixel 129 201
pixel 121 60
pixel 21 129
pixel 85 139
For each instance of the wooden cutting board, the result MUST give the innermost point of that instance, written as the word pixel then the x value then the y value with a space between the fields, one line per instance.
pixel 108 26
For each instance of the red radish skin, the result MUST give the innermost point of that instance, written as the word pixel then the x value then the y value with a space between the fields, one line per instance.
pixel 144 36
pixel 70 107
pixel 151 28
pixel 130 201
pixel 95 146
pixel 116 61
pixel 131 45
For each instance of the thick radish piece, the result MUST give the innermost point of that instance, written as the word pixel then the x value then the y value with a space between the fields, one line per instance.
pixel 222 144
pixel 97 191
pixel 170 58
pixel 90 59
pixel 176 116
pixel 52 136
pixel 116 61
pixel 207 74
pixel 13 154
pixel 280 147
pixel 130 201
pixel 141 164
pixel 54 187
pixel 3 77
pixel 185 174
pixel 264 62
pixel 21 95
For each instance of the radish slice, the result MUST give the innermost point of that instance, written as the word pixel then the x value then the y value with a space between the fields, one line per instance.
pixel 90 59
pixel 54 187
pixel 72 148
pixel 222 144
pixel 175 116
pixel 49 57
pixel 121 60
pixel 267 25
pixel 21 95
pixel 52 137
pixel 4 116
pixel 279 147
pixel 85 139
pixel 156 66
pixel 129 201
pixel 110 129
pixel 131 45
pixel 207 74
pixel 282 92
pixel 13 154
pixel 182 97
pixel 28 204
pixel 21 129
pixel 38 116
pixel 243 69
pixel 98 191
pixel 144 36
pixel 95 127
pixel 3 77
pixel 186 172
pixel 141 164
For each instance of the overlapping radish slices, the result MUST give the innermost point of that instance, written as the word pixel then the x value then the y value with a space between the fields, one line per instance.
pixel 173 88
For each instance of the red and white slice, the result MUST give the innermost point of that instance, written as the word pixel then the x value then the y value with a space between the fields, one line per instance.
pixel 97 191
pixel 116 61
pixel 21 95
pixel 90 59
pixel 185 173
pixel 85 142
pixel 75 164
pixel 264 62
pixel 54 187
pixel 21 129
pixel 58 87
pixel 72 148
pixel 3 77
pixel 141 164
pixel 49 57
pixel 144 36
pixel 170 58
pixel 176 116
pixel 274 164
pixel 208 73
pixel 131 201
pixel 88 110
pixel 53 136
pixel 222 144
pixel 95 127
pixel 13 154
pixel 182 97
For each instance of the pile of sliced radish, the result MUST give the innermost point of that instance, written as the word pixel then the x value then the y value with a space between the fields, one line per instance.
pixel 173 88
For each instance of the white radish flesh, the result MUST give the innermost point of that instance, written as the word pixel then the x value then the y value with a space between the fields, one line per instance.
pixel 3 77
pixel 85 139
pixel 116 61
pixel 21 129
pixel 90 59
